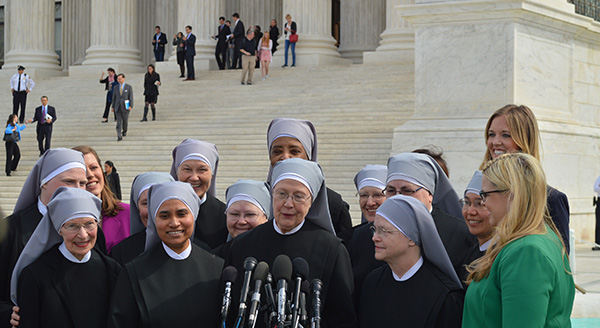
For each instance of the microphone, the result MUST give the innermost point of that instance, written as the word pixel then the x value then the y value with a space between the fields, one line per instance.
pixel 249 265
pixel 316 286
pixel 282 270
pixel 228 275
pixel 270 300
pixel 304 290
pixel 300 272
pixel 260 275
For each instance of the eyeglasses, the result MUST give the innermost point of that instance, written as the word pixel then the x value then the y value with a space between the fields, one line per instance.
pixel 377 196
pixel 381 231
pixel 403 191
pixel 484 194
pixel 465 203
pixel 297 198
pixel 89 226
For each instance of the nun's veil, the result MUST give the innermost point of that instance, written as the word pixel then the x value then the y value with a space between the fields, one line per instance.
pixel 141 183
pixel 302 130
pixel 197 150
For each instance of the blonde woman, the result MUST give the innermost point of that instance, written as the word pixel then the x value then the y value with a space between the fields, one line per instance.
pixel 266 44
pixel 524 278
pixel 512 129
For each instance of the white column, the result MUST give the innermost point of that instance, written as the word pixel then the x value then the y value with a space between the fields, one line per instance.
pixel 260 12
pixel 76 31
pixel 114 35
pixel 315 46
pixel 203 17
pixel 362 21
pixel 398 40
pixel 31 36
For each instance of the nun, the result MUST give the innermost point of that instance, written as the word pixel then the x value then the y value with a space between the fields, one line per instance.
pixel 300 226
pixel 287 138
pixel 477 217
pixel 59 265
pixel 418 287
pixel 421 177
pixel 134 245
pixel 195 162
pixel 57 167
pixel 370 183
pixel 174 283
pixel 248 206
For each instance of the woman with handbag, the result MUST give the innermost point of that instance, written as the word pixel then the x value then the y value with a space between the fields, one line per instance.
pixel 12 134
pixel 291 38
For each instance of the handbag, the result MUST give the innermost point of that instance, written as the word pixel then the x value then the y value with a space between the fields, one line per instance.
pixel 14 137
pixel 294 37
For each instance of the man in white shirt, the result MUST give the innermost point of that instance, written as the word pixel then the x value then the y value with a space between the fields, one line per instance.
pixel 20 85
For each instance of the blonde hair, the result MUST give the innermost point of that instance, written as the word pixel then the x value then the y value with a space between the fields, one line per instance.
pixel 288 16
pixel 523 128
pixel 266 37
pixel 522 176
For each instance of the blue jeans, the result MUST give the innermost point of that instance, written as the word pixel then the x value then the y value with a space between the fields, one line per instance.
pixel 287 46
pixel 159 54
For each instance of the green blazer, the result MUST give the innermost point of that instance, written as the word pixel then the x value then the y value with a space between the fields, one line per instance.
pixel 528 286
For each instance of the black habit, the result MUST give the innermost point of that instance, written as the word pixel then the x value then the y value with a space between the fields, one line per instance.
pixel 427 299
pixel 55 292
pixel 211 224
pixel 327 259
pixel 340 211
pixel 19 228
pixel 156 290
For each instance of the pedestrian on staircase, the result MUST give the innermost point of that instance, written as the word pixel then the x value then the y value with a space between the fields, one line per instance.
pixel 179 42
pixel 122 104
pixel 13 154
pixel 20 85
pixel 151 84
pixel 110 80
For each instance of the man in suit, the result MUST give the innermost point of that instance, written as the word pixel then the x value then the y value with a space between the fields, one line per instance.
pixel 238 35
pixel 45 116
pixel 158 43
pixel 190 52
pixel 222 37
pixel 122 104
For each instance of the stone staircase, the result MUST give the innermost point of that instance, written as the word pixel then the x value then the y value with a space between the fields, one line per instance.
pixel 354 108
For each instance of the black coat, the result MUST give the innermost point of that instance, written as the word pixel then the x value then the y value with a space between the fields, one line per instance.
pixel 274 36
pixel 151 89
pixel 558 207
pixel 222 36
pixel 162 40
pixel 51 291
pixel 238 33
pixel 39 118
pixel 114 183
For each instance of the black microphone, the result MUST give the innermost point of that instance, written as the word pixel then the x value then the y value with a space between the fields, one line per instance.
pixel 260 275
pixel 300 273
pixel 282 270
pixel 304 290
pixel 271 307
pixel 316 286
pixel 228 275
pixel 249 265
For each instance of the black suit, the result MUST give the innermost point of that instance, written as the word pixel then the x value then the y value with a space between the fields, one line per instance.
pixel 221 49
pixel 44 129
pixel 238 37
pixel 190 52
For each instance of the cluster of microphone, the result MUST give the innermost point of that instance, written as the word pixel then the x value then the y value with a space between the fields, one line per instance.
pixel 285 308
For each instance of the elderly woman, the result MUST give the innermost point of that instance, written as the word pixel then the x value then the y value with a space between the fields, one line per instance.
pixel 248 206
pixel 134 245
pixel 196 162
pixel 418 268
pixel 524 279
pixel 477 218
pixel 115 214
pixel 301 227
pixel 174 283
pixel 514 129
pixel 60 262
pixel 421 177
pixel 287 138
pixel 57 167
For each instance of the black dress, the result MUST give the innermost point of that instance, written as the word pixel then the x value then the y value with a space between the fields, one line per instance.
pixel 211 224
pixel 55 292
pixel 19 227
pixel 427 299
pixel 327 259
pixel 156 290
pixel 150 87
pixel 115 184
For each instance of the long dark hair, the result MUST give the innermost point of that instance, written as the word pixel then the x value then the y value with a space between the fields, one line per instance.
pixel 112 166
pixel 153 70
pixel 11 118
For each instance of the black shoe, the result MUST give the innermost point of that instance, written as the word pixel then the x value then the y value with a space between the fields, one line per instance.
pixel 119 139
pixel 124 134
pixel 181 76
pixel 243 83
pixel 105 121
pixel 8 174
pixel 154 118
pixel 248 83
pixel 284 65
pixel 293 65
pixel 143 120
pixel 596 248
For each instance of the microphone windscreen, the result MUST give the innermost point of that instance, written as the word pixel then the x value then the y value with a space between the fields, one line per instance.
pixel 260 272
pixel 304 287
pixel 250 263
pixel 229 274
pixel 282 268
pixel 300 268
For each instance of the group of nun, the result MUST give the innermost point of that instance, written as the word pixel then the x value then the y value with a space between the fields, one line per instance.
pixel 406 264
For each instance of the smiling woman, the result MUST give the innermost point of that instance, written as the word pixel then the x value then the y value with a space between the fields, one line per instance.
pixel 171 268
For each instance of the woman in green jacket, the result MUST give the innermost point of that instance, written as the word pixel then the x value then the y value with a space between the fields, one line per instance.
pixel 524 278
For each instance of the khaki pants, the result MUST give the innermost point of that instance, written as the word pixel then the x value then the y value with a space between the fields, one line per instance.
pixel 248 63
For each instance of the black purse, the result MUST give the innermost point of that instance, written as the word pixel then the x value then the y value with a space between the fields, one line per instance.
pixel 14 137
